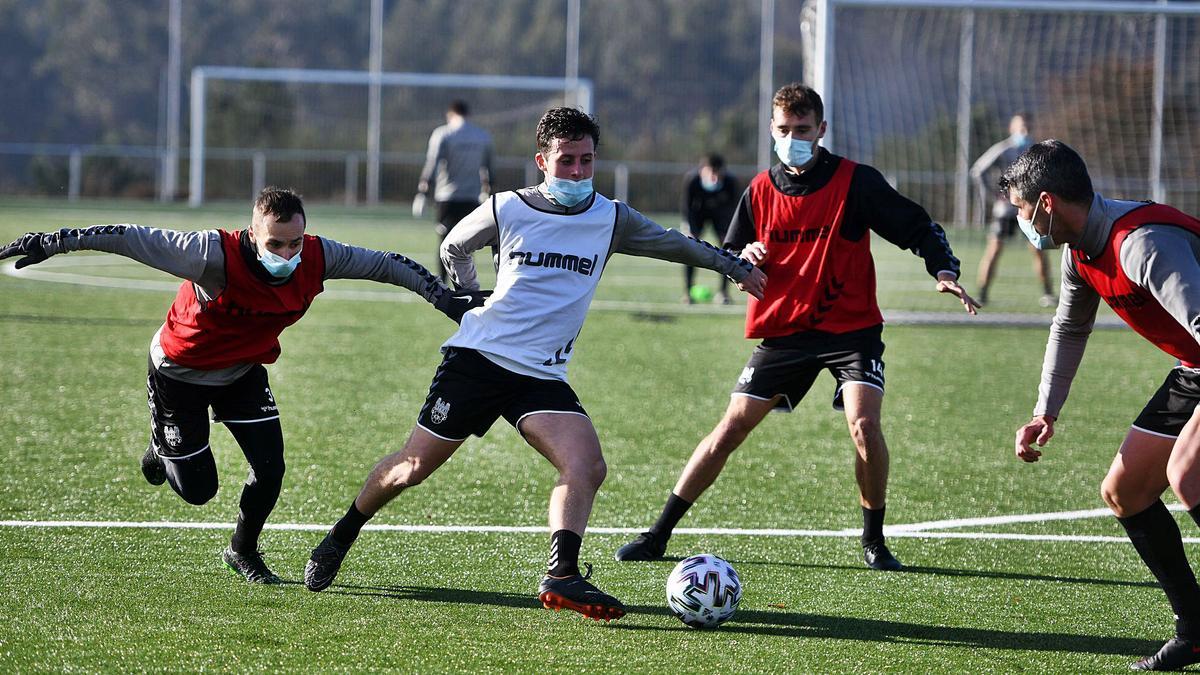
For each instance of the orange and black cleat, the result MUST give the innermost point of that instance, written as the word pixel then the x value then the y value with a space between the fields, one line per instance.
pixel 576 594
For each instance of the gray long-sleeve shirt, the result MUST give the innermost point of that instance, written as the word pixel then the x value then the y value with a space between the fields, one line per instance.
pixel 461 156
pixel 634 234
pixel 551 259
pixel 1163 259
pixel 199 257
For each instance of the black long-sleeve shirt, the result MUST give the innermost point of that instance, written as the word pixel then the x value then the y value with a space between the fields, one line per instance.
pixel 871 204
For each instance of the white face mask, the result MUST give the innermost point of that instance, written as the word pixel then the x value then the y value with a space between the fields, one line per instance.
pixel 1041 242
pixel 278 266
pixel 568 192
pixel 794 152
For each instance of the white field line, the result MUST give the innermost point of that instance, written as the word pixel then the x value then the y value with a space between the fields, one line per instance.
pixel 50 271
pixel 929 530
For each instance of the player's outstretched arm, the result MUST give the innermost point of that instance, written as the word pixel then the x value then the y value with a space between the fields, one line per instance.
pixel 195 256
pixel 478 230
pixel 638 235
pixel 1038 430
pixel 948 283
pixel 343 261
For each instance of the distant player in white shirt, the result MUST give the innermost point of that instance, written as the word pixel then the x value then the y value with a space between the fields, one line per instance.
pixel 509 357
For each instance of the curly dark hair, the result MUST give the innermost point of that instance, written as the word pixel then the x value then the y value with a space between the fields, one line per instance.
pixel 569 123
pixel 1050 166
pixel 283 203
pixel 799 100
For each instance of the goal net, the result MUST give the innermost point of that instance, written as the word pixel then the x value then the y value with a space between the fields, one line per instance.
pixel 921 89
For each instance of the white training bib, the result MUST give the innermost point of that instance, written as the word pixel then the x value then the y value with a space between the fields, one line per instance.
pixel 550 264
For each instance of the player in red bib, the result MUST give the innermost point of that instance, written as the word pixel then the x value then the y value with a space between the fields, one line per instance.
pixel 806 222
pixel 1143 260
pixel 240 290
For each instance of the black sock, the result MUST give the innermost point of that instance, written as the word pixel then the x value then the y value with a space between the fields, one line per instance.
pixel 674 509
pixel 346 530
pixel 872 526
pixel 564 554
pixel 1194 512
pixel 245 539
pixel 1157 540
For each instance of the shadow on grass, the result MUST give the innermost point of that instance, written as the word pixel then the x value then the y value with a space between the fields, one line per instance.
pixel 954 572
pixel 796 625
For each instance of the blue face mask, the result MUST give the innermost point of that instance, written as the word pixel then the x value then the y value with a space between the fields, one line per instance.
pixel 1041 242
pixel 568 192
pixel 278 266
pixel 794 152
pixel 1020 140
pixel 710 186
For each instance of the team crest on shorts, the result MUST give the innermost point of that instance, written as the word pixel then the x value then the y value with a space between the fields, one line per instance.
pixel 172 435
pixel 439 412
pixel 747 375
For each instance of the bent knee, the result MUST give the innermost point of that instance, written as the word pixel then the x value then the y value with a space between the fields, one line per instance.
pixel 865 429
pixel 586 473
pixel 198 495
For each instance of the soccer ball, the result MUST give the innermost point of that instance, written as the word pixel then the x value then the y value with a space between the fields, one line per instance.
pixel 703 591
pixel 700 294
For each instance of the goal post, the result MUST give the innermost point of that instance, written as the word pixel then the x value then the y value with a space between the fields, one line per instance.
pixel 1116 79
pixel 579 90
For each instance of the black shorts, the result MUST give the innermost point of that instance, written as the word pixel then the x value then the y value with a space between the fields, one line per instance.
pixel 1172 405
pixel 179 410
pixel 1003 227
pixel 720 224
pixel 450 213
pixel 470 392
pixel 788 366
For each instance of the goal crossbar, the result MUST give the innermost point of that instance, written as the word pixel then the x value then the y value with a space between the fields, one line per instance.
pixel 581 88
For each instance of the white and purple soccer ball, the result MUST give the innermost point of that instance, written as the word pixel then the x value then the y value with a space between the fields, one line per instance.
pixel 703 591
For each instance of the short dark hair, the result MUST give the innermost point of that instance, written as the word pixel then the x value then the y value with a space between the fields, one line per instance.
pixel 569 123
pixel 283 203
pixel 714 161
pixel 1050 166
pixel 459 107
pixel 799 100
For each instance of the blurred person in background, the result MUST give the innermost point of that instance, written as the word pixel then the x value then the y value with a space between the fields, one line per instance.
pixel 1004 215
pixel 458 168
pixel 710 195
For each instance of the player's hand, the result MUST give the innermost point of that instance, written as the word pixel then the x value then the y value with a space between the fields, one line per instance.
pixel 947 283
pixel 418 205
pixel 1040 429
pixel 31 245
pixel 755 252
pixel 455 304
pixel 754 283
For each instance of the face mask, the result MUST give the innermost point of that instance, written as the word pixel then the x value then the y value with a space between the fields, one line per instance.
pixel 793 151
pixel 278 266
pixel 1041 242
pixel 1020 140
pixel 710 186
pixel 568 192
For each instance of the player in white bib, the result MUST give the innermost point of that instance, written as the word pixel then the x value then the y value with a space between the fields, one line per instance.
pixel 509 357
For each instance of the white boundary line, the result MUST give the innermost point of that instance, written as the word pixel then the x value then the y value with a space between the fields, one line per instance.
pixel 50 271
pixel 928 530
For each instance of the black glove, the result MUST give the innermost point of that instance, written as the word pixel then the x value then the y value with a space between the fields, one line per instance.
pixel 31 245
pixel 456 303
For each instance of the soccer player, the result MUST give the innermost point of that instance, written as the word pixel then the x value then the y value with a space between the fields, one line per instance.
pixel 240 290
pixel 509 358
pixel 1143 259
pixel 709 196
pixel 806 222
pixel 461 155
pixel 1004 216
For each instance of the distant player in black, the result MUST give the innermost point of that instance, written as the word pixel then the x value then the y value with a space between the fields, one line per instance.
pixel 710 194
